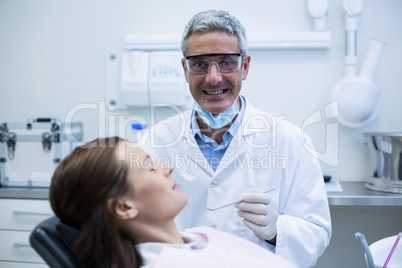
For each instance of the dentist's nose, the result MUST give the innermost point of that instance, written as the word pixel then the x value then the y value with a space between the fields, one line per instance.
pixel 213 76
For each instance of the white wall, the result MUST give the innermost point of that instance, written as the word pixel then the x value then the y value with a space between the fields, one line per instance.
pixel 53 57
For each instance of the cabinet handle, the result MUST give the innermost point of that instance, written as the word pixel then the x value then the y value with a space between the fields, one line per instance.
pixel 22 245
pixel 27 213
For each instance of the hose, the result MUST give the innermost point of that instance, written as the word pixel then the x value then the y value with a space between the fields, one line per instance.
pixel 363 242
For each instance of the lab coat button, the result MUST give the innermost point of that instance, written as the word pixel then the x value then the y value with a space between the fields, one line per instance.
pixel 214 183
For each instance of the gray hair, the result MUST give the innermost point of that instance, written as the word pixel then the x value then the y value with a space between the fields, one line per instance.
pixel 215 20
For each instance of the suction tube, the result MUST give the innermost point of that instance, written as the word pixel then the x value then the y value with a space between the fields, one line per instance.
pixel 363 242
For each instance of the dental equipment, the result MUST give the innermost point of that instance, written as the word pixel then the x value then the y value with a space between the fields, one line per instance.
pixel 358 96
pixel 363 242
pixel 228 205
pixel 318 10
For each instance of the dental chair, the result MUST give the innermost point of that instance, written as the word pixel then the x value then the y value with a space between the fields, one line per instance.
pixel 53 241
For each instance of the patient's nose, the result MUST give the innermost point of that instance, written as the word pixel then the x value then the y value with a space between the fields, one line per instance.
pixel 167 170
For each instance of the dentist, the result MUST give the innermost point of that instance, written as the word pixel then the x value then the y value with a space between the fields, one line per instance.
pixel 224 149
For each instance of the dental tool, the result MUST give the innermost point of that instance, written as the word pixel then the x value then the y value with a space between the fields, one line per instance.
pixel 228 205
pixel 363 242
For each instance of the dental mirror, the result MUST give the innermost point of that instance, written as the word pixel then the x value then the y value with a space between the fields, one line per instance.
pixel 227 205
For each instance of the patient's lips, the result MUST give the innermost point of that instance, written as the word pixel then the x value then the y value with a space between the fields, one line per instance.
pixel 176 187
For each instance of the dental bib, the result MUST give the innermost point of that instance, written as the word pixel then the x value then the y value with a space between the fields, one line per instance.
pixel 219 120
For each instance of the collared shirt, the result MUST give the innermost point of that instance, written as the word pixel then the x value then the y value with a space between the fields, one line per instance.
pixel 213 152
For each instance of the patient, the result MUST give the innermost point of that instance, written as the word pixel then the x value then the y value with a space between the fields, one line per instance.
pixel 125 206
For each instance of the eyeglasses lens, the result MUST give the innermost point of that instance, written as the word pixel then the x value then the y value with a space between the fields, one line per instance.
pixel 225 63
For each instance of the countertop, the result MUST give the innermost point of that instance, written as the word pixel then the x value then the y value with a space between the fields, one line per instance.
pixel 353 194
pixel 24 193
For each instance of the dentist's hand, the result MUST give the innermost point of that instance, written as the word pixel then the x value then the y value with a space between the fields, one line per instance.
pixel 260 214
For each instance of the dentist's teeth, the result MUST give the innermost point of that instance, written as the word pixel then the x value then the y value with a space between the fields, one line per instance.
pixel 214 93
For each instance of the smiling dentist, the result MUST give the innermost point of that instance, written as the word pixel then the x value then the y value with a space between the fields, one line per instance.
pixel 224 149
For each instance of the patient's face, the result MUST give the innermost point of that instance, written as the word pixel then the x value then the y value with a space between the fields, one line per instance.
pixel 155 193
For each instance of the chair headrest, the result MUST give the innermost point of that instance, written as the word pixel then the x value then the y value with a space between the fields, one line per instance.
pixel 52 240
pixel 68 233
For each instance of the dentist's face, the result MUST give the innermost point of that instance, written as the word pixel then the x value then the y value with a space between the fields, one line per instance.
pixel 215 92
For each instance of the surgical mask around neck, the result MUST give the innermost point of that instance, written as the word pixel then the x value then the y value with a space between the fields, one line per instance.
pixel 217 121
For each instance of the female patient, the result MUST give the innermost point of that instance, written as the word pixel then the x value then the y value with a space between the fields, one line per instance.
pixel 125 205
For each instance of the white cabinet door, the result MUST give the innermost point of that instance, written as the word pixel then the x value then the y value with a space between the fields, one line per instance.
pixel 19 214
pixel 15 246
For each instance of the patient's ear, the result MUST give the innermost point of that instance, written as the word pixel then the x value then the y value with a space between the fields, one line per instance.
pixel 123 208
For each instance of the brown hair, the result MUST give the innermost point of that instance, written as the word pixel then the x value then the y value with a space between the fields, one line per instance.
pixel 80 189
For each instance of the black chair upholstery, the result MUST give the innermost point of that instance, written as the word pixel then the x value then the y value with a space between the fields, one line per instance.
pixel 53 240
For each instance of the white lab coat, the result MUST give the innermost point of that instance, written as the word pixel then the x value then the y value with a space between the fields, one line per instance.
pixel 265 152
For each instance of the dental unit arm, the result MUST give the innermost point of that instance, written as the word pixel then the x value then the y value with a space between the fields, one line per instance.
pixel 318 10
pixel 357 96
pixel 352 9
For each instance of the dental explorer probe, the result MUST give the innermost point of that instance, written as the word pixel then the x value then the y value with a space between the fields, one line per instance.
pixel 213 209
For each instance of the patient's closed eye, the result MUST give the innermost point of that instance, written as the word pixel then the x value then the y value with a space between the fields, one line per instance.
pixel 148 164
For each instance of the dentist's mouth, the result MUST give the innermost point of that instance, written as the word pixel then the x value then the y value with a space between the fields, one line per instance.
pixel 215 92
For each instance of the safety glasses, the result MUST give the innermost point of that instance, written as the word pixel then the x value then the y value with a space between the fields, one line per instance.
pixel 225 62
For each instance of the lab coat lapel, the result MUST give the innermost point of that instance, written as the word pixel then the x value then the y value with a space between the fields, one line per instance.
pixel 239 146
pixel 193 152
pixel 235 152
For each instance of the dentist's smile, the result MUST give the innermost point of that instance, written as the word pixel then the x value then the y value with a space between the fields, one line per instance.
pixel 215 92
